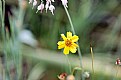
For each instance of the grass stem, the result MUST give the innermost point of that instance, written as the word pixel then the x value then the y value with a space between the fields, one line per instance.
pixel 92 55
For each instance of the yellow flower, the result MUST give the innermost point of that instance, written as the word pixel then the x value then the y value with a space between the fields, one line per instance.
pixel 69 43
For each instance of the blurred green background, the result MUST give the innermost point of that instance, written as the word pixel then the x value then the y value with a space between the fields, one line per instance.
pixel 96 22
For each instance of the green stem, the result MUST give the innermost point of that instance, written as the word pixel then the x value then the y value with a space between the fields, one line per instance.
pixel 69 64
pixel 72 27
pixel 2 10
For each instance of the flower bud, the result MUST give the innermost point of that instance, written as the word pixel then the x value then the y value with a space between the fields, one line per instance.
pixel 64 2
pixel 86 74
pixel 70 77
pixel 51 8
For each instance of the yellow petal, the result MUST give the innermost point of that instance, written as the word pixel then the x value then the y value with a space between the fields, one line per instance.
pixel 75 38
pixel 74 44
pixel 66 50
pixel 63 36
pixel 61 44
pixel 69 34
pixel 73 49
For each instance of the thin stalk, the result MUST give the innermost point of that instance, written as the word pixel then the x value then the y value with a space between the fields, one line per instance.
pixel 72 27
pixel 79 51
pixel 6 71
pixel 92 55
pixel 69 64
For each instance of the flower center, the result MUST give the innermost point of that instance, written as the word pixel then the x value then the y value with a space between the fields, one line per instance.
pixel 68 43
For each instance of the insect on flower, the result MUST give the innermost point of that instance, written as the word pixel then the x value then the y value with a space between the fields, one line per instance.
pixel 69 43
pixel 118 62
